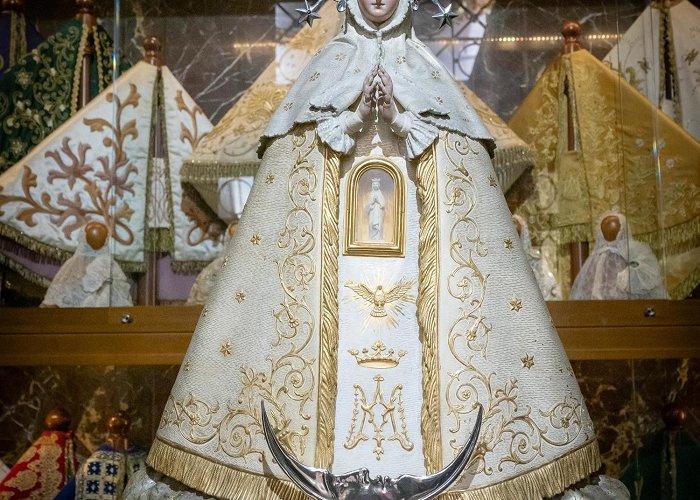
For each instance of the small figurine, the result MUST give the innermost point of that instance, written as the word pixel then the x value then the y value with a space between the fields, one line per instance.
pixel 619 267
pixel 91 277
pixel 543 274
pixel 47 464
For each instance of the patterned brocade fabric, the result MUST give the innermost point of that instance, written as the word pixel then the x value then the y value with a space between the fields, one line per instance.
pixel 105 474
pixel 16 38
pixel 40 92
pixel 618 132
pixel 43 470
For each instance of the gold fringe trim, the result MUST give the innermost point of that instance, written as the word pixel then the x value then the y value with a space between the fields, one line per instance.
pixel 188 266
pixel 59 254
pixel 328 350
pixel 75 91
pixel 34 245
pixel 544 482
pixel 673 240
pixel 427 304
pixel 683 289
pixel 209 172
pixel 217 479
pixel 24 272
pixel 224 481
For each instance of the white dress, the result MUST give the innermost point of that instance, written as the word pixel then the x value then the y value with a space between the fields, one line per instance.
pixel 89 278
pixel 621 269
pixel 375 354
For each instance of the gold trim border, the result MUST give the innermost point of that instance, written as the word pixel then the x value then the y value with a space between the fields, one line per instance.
pixel 216 479
pixel 427 304
pixel 219 480
pixel 397 246
pixel 544 482
pixel 328 342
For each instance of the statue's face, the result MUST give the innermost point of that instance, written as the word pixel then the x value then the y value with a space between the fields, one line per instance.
pixel 378 11
pixel 375 185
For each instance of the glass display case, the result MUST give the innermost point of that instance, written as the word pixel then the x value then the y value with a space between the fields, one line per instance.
pixel 129 135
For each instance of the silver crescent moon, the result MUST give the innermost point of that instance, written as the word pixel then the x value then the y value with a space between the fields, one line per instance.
pixel 323 485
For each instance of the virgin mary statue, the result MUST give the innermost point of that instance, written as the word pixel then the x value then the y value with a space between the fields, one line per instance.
pixel 374 353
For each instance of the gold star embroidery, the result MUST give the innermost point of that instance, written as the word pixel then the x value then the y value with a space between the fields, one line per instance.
pixel 508 244
pixel 187 365
pixel 436 74
pixel 492 181
pixel 528 361
pixel 439 100
pixel 205 311
pixel 339 56
pixel 225 348
pixel 288 106
pixel 240 296
pixel 400 59
pixel 315 76
pixel 255 239
pixel 270 179
pixel 516 305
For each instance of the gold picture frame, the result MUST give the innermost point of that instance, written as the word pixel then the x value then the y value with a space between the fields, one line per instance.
pixel 375 210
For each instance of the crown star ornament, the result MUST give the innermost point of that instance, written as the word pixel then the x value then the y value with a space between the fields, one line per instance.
pixel 309 13
pixel 444 15
pixel 379 357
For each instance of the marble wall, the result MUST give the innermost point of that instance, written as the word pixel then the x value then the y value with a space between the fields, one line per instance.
pixel 625 399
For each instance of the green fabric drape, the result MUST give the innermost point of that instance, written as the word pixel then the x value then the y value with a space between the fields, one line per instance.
pixel 40 92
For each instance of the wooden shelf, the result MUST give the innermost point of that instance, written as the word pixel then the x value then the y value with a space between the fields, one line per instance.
pixel 591 330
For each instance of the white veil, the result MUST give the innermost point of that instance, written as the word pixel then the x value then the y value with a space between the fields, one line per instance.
pixel 90 278
pixel 619 269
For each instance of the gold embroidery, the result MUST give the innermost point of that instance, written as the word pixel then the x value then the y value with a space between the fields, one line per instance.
pixel 115 170
pixel 328 349
pixel 427 308
pixel 225 349
pixel 400 59
pixel 240 296
pixel 289 382
pixel 505 420
pixel 381 357
pixel 255 239
pixel 387 413
pixel 270 179
pixel 508 244
pixel 205 311
pixel 339 56
pixel 315 76
pixel 516 305
pixel 492 181
pixel 528 361
pixel 436 74
pixel 288 106
pixel 377 299
pixel 187 365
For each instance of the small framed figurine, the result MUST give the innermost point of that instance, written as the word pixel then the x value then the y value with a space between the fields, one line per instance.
pixel 375 210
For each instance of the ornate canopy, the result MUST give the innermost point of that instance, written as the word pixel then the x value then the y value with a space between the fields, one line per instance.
pixel 105 164
pixel 626 156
